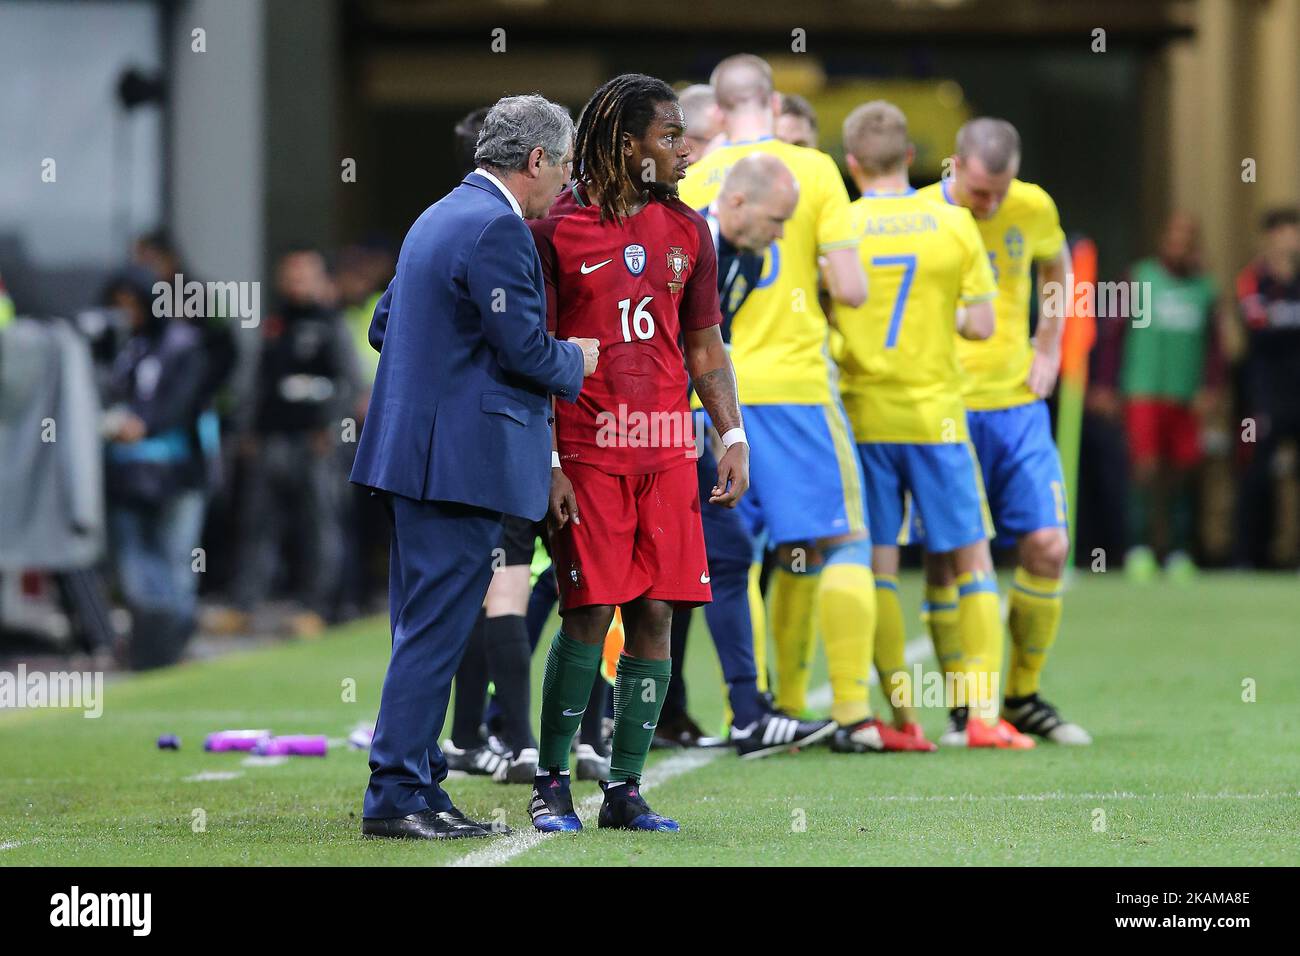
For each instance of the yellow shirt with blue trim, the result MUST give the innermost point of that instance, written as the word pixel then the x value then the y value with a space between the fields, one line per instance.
pixel 1026 228
pixel 901 381
pixel 778 336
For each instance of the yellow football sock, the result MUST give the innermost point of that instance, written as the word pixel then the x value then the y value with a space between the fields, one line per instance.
pixel 758 621
pixel 794 630
pixel 890 652
pixel 847 601
pixel 1034 620
pixel 941 619
pixel 980 625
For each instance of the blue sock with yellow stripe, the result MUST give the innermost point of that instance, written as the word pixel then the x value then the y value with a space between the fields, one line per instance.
pixel 1034 620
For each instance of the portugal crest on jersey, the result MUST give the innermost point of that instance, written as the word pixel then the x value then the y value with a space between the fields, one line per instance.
pixel 678 263
pixel 634 258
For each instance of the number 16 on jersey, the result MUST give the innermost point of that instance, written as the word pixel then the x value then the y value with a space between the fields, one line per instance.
pixel 642 322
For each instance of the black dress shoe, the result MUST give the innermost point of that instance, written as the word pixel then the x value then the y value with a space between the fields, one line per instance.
pixel 425 825
pixel 498 828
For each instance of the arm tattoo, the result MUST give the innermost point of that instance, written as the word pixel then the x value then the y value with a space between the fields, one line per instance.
pixel 717 391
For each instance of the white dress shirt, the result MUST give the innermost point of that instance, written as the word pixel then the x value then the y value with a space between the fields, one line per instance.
pixel 510 197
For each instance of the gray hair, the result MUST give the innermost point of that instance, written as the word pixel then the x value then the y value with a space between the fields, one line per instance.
pixel 994 141
pixel 517 125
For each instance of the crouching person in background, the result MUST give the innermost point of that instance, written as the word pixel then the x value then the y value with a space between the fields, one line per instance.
pixel 155 471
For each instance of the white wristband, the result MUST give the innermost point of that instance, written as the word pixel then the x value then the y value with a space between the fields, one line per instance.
pixel 555 459
pixel 733 435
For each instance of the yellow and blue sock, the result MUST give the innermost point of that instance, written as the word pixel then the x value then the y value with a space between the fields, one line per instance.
pixel 980 625
pixel 794 630
pixel 890 648
pixel 1034 620
pixel 940 613
pixel 758 620
pixel 847 604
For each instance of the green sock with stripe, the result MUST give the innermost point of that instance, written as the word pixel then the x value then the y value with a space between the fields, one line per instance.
pixel 566 686
pixel 639 691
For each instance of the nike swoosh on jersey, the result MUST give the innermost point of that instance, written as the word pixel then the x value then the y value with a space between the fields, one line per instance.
pixel 587 270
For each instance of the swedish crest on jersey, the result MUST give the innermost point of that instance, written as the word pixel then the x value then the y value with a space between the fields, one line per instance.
pixel 678 264
pixel 634 258
pixel 1015 242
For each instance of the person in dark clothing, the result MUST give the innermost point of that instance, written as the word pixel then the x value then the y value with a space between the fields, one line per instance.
pixel 155 472
pixel 156 252
pixel 1268 295
pixel 307 377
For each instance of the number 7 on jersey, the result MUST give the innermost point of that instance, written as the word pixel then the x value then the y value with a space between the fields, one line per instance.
pixel 908 262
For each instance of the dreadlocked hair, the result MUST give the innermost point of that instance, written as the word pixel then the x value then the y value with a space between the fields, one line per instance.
pixel 625 104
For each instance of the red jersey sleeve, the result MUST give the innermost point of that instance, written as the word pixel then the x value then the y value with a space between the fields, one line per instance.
pixel 699 305
pixel 544 236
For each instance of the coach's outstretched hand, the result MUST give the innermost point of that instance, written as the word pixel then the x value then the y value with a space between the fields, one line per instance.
pixel 564 503
pixel 590 354
pixel 733 476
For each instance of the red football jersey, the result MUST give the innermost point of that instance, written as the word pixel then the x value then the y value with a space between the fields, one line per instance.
pixel 635 286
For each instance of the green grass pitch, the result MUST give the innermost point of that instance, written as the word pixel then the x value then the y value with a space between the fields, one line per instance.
pixel 1183 771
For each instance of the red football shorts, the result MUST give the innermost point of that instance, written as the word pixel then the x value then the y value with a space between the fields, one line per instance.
pixel 1161 430
pixel 638 536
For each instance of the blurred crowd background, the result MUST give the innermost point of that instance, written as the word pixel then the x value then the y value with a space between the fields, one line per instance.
pixel 162 476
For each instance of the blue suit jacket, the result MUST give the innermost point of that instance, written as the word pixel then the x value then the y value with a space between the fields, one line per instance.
pixel 460 408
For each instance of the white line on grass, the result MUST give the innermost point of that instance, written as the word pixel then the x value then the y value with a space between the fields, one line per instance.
pixel 505 849
pixel 207 775
pixel 1061 795
pixel 260 760
pixel 13 845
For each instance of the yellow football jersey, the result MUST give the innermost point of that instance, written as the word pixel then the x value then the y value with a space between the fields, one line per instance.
pixel 778 338
pixel 1025 228
pixel 901 380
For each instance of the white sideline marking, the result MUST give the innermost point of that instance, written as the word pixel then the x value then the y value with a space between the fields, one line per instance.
pixel 505 849
pixel 10 846
pixel 257 760
pixel 207 775
pixel 1061 795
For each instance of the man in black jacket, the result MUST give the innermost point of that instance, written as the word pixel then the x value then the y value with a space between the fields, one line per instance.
pixel 307 376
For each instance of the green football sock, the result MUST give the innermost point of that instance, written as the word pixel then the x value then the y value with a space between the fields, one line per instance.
pixel 566 686
pixel 1182 512
pixel 639 691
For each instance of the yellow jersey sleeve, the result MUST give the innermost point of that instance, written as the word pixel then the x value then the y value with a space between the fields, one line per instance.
pixel 977 282
pixel 1049 237
pixel 834 226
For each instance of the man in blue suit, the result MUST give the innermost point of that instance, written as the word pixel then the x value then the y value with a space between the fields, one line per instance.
pixel 458 434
